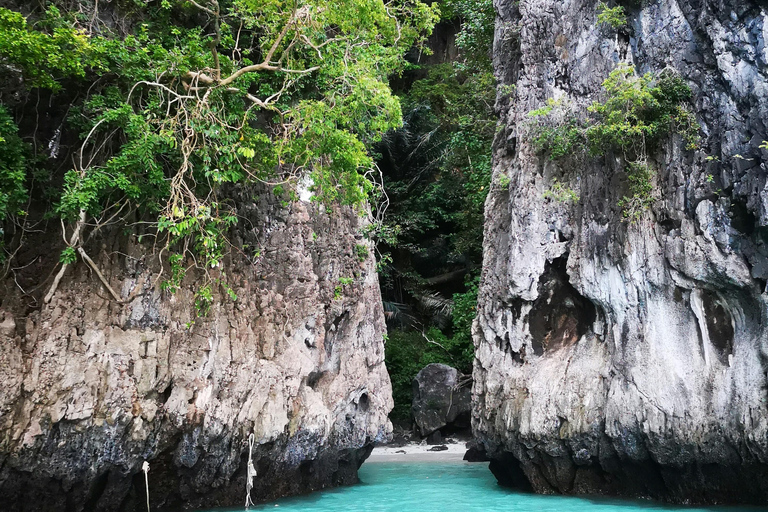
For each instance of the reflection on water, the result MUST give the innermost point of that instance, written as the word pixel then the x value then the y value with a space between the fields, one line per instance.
pixel 448 487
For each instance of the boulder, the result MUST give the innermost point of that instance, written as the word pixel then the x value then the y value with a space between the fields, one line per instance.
pixel 439 399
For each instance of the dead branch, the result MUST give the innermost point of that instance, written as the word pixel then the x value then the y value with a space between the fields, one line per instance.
pixel 104 281
pixel 72 242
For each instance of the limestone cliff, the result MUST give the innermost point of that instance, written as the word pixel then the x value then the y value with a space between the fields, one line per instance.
pixel 616 357
pixel 92 388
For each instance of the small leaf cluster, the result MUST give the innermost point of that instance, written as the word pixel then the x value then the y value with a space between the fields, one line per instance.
pixel 614 17
pixel 361 251
pixel 561 193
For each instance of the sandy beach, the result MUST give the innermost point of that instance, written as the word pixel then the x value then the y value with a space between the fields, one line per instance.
pixel 417 453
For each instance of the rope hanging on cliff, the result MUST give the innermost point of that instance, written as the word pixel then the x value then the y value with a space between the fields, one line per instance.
pixel 145 469
pixel 251 473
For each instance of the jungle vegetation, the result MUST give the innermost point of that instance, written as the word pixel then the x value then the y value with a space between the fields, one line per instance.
pixel 437 172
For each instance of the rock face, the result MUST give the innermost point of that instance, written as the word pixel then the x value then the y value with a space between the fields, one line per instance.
pixel 92 388
pixel 627 358
pixel 439 399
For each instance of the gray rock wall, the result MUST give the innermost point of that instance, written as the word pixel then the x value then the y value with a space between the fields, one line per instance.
pixel 91 388
pixel 629 358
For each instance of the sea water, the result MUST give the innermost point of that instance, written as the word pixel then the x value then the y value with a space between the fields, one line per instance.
pixel 448 487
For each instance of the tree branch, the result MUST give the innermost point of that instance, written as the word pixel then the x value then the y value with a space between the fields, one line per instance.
pixel 202 8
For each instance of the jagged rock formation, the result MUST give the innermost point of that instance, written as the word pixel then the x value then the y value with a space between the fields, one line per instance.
pixel 629 358
pixel 92 388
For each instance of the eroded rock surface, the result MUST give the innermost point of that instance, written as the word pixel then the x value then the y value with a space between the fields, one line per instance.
pixel 91 388
pixel 629 358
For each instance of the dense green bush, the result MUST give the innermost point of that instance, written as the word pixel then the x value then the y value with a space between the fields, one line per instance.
pixel 614 17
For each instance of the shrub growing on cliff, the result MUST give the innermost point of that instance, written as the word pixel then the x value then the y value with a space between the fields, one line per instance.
pixel 614 17
pixel 638 112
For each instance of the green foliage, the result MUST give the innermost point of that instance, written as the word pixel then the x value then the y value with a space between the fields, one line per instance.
pixel 361 251
pixel 475 40
pixel 637 113
pixel 68 256
pixel 203 300
pixel 13 161
pixel 440 163
pixel 545 110
pixel 561 193
pixel 503 181
pixel 407 352
pixel 53 50
pixel 198 96
pixel 614 17
pixel 560 140
pixel 177 273
pixel 640 198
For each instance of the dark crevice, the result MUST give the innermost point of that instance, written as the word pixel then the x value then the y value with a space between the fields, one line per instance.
pixel 742 219
pixel 719 324
pixel 560 315
pixel 97 489
pixel 363 403
pixel 509 473
pixel 313 378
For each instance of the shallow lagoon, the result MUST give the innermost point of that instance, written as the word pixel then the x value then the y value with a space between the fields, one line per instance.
pixel 448 487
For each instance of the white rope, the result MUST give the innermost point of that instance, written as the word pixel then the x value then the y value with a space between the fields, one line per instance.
pixel 251 473
pixel 145 469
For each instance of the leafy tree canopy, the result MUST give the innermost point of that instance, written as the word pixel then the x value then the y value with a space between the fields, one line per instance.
pixel 181 97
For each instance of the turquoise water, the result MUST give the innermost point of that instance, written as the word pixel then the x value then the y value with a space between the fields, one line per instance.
pixel 448 487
